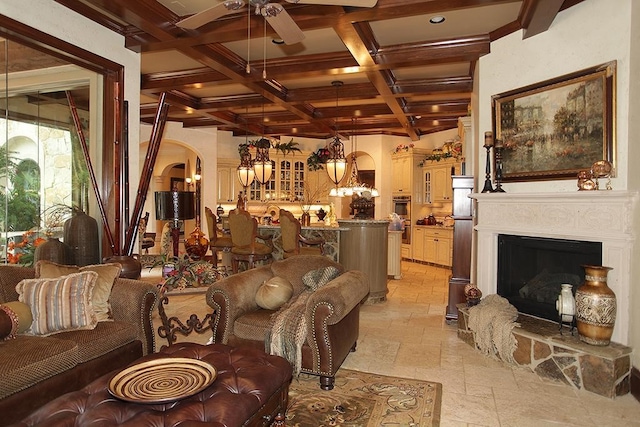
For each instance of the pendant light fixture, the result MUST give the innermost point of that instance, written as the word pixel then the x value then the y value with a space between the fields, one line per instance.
pixel 262 165
pixel 245 170
pixel 353 184
pixel 337 163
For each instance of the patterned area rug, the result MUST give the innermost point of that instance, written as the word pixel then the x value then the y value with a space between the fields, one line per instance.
pixel 364 399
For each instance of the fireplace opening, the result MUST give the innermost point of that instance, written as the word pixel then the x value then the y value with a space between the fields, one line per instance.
pixel 531 270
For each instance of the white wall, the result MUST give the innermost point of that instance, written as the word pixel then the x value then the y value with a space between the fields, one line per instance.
pixel 590 33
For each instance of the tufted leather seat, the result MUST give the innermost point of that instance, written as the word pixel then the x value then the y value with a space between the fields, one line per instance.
pixel 250 387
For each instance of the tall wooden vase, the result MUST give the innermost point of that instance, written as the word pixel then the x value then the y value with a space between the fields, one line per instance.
pixel 595 306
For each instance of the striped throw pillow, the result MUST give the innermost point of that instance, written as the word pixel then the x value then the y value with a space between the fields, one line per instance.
pixel 60 304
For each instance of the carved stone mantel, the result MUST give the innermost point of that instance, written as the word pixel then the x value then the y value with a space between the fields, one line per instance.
pixel 596 216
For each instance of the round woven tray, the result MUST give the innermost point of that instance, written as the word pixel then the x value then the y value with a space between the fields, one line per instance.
pixel 162 380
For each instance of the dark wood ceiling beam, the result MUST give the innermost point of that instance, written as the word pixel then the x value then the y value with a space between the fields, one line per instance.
pixel 350 37
pixel 538 15
pixel 180 79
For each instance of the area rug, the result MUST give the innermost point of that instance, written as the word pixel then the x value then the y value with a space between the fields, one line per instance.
pixel 364 399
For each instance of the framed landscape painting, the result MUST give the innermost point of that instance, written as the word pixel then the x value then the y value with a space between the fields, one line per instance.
pixel 554 129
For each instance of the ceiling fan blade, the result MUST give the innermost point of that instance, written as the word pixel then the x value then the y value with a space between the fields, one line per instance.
pixel 211 14
pixel 355 3
pixel 282 23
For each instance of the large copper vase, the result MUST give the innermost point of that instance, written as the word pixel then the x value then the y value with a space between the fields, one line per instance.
pixel 595 307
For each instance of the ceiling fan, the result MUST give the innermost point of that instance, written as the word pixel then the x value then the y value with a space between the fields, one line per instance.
pixel 274 13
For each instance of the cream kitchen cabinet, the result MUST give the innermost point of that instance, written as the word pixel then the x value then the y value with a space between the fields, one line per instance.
pixel 433 245
pixel 405 172
pixel 228 184
pixel 436 180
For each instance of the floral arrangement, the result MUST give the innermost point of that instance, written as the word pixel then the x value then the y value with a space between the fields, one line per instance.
pixel 187 273
pixel 402 147
pixel 318 158
pixel 22 252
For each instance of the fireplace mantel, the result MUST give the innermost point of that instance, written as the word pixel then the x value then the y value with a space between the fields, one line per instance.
pixel 596 216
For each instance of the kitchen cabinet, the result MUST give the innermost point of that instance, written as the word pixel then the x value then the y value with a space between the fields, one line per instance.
pixel 228 184
pixel 418 243
pixel 436 180
pixel 433 245
pixel 288 181
pixel 405 172
pixel 402 175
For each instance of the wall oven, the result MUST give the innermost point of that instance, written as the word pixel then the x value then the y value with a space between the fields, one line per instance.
pixel 402 207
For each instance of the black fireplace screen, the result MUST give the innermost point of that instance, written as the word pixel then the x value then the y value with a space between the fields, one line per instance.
pixel 531 270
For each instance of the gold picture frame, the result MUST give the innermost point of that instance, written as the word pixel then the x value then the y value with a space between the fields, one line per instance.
pixel 553 129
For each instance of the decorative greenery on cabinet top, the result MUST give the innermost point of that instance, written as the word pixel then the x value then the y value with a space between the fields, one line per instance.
pixel 283 147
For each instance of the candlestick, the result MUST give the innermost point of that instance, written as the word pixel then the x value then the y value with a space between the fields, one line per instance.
pixel 487 176
pixel 488 143
pixel 497 149
pixel 488 139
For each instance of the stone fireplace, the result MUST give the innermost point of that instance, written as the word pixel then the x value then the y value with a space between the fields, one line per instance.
pixel 604 217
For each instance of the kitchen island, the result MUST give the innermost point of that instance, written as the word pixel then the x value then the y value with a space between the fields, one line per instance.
pixel 365 248
pixel 331 236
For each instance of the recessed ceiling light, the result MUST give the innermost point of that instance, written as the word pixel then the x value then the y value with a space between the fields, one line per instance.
pixel 277 41
pixel 436 19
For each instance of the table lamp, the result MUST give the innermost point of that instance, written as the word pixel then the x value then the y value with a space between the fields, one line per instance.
pixel 175 206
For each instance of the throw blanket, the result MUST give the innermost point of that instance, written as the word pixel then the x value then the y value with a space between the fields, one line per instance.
pixel 288 331
pixel 492 322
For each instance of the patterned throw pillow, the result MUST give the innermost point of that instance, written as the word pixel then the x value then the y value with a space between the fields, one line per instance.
pixel 315 279
pixel 60 304
pixel 107 274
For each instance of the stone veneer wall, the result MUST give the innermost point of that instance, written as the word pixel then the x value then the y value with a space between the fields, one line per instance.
pixel 604 370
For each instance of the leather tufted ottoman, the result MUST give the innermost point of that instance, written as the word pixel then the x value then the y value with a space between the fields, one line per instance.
pixel 251 389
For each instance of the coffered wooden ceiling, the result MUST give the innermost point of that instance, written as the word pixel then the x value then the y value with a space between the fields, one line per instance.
pixel 402 75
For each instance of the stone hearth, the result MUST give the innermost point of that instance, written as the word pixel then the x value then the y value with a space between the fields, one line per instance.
pixel 562 357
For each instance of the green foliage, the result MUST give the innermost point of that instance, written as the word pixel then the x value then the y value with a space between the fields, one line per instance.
pixel 317 159
pixel 287 147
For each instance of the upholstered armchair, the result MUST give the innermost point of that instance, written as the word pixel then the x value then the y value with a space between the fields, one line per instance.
pixel 293 242
pixel 332 312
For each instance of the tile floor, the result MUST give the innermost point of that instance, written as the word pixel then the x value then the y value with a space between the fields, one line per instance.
pixel 407 336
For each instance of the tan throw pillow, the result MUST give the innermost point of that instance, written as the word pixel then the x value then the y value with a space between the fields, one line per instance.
pixel 15 318
pixel 274 293
pixel 107 274
pixel 60 304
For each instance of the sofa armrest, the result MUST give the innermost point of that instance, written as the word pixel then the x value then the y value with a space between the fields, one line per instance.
pixel 133 301
pixel 342 294
pixel 234 296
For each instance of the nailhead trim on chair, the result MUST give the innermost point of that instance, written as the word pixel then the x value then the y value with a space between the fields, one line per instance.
pixel 314 341
pixel 216 323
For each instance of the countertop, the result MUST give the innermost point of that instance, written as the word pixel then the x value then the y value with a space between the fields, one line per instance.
pixel 318 226
pixel 434 227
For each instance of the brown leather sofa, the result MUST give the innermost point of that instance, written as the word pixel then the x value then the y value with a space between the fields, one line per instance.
pixel 332 312
pixel 37 369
